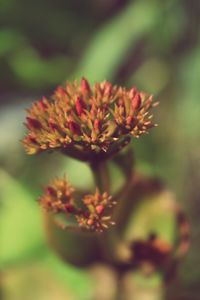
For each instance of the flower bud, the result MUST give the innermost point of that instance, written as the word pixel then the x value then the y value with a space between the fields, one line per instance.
pixel 33 123
pixel 74 127
pixel 80 106
pixel 136 102
pixel 85 87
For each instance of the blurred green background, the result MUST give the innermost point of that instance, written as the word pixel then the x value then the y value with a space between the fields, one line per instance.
pixel 153 44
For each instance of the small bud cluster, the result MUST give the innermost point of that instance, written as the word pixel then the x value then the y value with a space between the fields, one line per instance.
pixel 96 217
pixel 91 119
pixel 59 198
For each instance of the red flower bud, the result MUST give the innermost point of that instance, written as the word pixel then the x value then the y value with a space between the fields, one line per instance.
pixel 136 102
pixel 60 91
pixel 32 139
pixel 85 87
pixel 53 126
pixel 90 222
pixel 132 92
pixel 51 191
pixel 74 127
pixel 42 105
pixel 129 120
pixel 99 209
pixel 33 123
pixel 96 124
pixel 80 105
pixel 108 89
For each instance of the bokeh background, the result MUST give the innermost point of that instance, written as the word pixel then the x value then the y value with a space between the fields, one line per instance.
pixel 153 44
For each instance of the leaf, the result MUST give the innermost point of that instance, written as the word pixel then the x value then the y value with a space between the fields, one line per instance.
pixel 154 214
pixel 187 107
pixel 78 281
pixel 139 286
pixel 21 235
pixel 75 246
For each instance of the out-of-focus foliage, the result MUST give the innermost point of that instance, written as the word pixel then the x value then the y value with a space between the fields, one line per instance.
pixel 19 203
pixel 153 215
pixel 152 44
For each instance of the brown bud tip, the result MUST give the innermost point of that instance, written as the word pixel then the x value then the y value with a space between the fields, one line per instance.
pixel 136 102
pixel 85 87
pixel 74 127
pixel 80 105
pixel 33 123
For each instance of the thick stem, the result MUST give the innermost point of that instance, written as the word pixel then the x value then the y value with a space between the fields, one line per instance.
pixel 119 287
pixel 101 175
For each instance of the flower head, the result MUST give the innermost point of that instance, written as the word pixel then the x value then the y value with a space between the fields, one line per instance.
pixel 92 214
pixel 89 120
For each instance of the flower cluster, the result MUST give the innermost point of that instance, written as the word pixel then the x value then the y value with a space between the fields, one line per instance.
pixel 96 217
pixel 91 120
pixel 58 197
pixel 93 214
